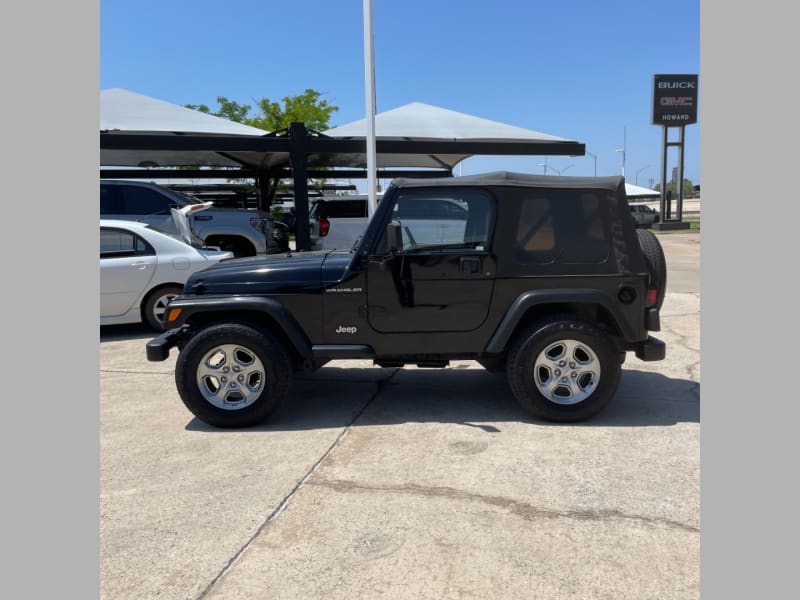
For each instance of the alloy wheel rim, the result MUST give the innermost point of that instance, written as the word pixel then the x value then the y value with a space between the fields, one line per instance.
pixel 567 372
pixel 160 306
pixel 231 377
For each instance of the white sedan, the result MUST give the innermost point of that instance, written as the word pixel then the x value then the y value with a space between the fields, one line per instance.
pixel 142 268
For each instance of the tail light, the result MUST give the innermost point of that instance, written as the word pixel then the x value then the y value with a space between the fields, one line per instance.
pixel 324 227
pixel 652 296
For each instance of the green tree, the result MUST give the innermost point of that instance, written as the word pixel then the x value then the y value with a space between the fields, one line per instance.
pixel 308 107
pixel 688 187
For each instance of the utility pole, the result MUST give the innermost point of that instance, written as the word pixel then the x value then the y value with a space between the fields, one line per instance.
pixel 623 150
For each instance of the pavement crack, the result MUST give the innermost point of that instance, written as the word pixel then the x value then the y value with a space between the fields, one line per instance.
pixel 521 509
pixel 305 479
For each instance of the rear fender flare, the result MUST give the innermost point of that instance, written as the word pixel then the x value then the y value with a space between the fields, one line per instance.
pixel 528 300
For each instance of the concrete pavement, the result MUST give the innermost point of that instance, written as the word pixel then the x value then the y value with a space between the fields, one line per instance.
pixel 407 483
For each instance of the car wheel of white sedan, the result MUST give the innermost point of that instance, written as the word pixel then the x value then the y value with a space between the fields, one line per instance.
pixel 155 305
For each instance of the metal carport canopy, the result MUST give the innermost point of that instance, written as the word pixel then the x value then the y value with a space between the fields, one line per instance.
pixel 138 131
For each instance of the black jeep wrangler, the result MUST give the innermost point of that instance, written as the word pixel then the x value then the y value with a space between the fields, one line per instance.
pixel 544 278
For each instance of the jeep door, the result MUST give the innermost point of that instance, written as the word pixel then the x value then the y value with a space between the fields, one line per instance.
pixel 441 280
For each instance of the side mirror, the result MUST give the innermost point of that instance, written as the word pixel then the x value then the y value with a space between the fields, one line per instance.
pixel 394 237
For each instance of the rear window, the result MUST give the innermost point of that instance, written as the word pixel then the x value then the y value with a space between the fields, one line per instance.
pixel 341 209
pixel 561 226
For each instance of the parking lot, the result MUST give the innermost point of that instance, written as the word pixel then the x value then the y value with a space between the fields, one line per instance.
pixel 407 483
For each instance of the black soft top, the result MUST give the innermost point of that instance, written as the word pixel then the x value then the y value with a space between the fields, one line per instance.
pixel 506 178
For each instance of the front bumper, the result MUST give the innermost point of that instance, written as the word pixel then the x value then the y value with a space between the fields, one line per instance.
pixel 651 349
pixel 158 348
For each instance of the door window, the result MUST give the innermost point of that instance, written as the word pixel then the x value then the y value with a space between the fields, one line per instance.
pixel 448 219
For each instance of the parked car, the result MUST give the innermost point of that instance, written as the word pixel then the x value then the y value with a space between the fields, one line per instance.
pixel 643 215
pixel 542 278
pixel 245 232
pixel 337 221
pixel 143 267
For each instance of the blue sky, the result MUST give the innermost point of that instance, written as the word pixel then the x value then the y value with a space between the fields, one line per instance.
pixel 575 69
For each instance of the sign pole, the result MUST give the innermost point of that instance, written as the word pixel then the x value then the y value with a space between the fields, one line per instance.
pixel 674 105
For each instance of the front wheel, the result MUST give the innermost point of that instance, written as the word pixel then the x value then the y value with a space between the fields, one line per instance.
pixel 233 375
pixel 563 369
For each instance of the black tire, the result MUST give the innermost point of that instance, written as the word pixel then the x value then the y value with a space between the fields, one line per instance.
pixel 155 303
pixel 262 385
pixel 587 352
pixel 656 263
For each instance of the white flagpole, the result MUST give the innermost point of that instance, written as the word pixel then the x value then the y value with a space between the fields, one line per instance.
pixel 369 79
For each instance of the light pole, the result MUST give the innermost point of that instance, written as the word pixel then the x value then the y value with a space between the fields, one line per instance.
pixel 594 156
pixel 639 171
pixel 544 164
pixel 623 151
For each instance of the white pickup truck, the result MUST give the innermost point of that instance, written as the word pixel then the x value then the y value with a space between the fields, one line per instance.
pixel 244 232
pixel 338 221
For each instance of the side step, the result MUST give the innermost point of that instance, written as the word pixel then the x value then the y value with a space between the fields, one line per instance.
pixel 423 364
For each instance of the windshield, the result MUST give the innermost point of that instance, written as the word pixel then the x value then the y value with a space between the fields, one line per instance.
pixel 187 197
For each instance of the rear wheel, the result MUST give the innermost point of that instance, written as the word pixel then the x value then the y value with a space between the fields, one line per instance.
pixel 656 262
pixel 563 369
pixel 233 375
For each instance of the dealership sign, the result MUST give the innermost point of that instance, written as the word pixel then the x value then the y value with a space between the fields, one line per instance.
pixel 674 100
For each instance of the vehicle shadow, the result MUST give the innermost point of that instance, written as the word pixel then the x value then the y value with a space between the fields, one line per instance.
pixel 335 397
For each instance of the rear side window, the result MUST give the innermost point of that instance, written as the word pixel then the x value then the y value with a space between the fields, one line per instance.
pixel 110 200
pixel 118 243
pixel 561 226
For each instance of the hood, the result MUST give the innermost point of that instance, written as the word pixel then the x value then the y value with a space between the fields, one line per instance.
pixel 180 216
pixel 291 273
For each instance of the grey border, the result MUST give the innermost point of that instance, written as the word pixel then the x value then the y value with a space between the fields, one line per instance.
pixel 51 448
pixel 750 217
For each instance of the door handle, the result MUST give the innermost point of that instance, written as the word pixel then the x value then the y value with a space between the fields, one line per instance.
pixel 139 265
pixel 470 265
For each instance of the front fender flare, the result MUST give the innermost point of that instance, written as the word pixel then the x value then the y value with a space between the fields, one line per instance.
pixel 230 305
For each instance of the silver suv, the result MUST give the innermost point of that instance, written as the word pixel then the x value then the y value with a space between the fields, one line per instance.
pixel 643 215
pixel 245 232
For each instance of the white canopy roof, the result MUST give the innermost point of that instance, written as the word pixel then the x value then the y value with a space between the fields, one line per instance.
pixel 440 138
pixel 423 122
pixel 127 111
pixel 122 111
pixel 420 121
pixel 635 191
